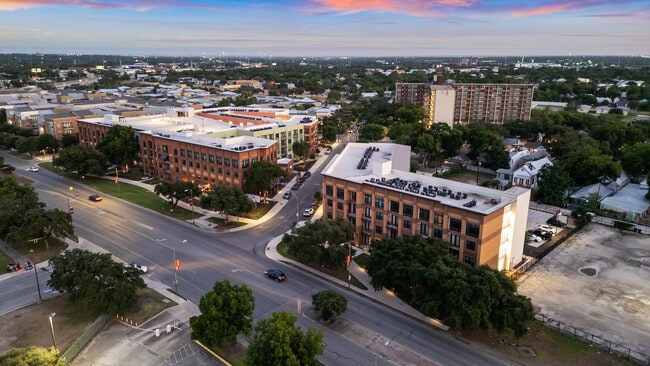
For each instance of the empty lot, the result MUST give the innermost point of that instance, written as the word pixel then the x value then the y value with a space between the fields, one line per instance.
pixel 597 281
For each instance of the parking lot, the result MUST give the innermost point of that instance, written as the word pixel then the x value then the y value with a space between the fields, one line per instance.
pixel 596 281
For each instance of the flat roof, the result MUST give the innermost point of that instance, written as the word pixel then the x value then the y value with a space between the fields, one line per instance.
pixel 387 165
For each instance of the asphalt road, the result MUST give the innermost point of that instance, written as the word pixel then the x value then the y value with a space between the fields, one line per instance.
pixel 135 234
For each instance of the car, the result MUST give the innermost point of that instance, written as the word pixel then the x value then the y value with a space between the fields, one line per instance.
pixel 139 267
pixel 286 195
pixel 313 204
pixel 33 168
pixel 306 175
pixel 536 239
pixel 547 228
pixel 295 187
pixel 556 222
pixel 275 274
pixel 308 212
pixel 95 198
pixel 545 235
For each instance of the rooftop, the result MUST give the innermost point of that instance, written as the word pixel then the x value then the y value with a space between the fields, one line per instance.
pixel 387 165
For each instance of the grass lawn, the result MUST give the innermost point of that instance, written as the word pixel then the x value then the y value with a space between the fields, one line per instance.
pixel 148 305
pixel 128 192
pixel 37 252
pixel 221 224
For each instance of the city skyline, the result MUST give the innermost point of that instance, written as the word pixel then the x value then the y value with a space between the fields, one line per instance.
pixel 361 28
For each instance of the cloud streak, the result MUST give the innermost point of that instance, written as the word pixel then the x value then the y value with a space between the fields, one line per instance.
pixel 137 5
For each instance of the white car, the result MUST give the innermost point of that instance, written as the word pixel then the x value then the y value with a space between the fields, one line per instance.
pixel 139 267
pixel 308 212
pixel 548 229
pixel 33 168
pixel 536 239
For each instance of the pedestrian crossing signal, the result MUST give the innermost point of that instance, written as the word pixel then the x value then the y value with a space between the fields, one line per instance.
pixel 178 264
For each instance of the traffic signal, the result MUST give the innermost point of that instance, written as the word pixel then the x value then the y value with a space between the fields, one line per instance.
pixel 347 260
pixel 178 264
pixel 71 210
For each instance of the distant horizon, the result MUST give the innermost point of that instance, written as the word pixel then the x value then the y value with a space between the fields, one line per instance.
pixel 326 28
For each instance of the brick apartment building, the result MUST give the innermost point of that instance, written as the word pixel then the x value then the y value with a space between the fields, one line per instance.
pixel 470 103
pixel 370 185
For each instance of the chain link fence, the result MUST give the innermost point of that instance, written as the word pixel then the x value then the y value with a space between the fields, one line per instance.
pixel 595 340
pixel 85 337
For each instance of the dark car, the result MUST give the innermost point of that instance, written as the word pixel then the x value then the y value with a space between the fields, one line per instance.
pixel 556 222
pixel 543 234
pixel 95 198
pixel 295 186
pixel 306 175
pixel 275 274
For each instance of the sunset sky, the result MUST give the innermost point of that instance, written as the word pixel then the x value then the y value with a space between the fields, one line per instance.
pixel 326 27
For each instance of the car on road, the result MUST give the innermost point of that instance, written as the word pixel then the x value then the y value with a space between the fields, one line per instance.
pixel 139 267
pixel 275 274
pixel 295 186
pixel 33 168
pixel 306 175
pixel 308 212
pixel 556 222
pixel 286 195
pixel 95 197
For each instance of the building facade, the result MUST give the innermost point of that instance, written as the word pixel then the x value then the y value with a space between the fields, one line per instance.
pixel 370 185
pixel 470 103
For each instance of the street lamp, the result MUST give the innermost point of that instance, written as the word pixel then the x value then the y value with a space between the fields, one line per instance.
pixel 176 266
pixel 52 328
pixel 478 169
pixel 297 208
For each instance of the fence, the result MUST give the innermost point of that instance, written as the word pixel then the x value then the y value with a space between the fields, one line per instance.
pixel 594 340
pixel 85 337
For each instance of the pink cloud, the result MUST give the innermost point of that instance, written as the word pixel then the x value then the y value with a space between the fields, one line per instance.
pixel 411 7
pixel 139 5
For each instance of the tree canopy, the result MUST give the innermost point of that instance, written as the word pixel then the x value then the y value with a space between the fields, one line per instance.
pixel 226 311
pixel 301 148
pixel 80 159
pixel 423 273
pixel 102 284
pixel 330 303
pixel 323 242
pixel 176 190
pixel 32 356
pixel 229 199
pixel 120 145
pixel 279 342
pixel 260 175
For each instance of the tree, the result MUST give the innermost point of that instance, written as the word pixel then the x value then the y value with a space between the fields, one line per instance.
pixel 177 190
pixel 32 356
pixel 371 132
pixel 553 184
pixel 260 175
pixel 96 280
pixel 323 242
pixel 80 159
pixel 226 311
pixel 581 216
pixel 69 140
pixel 300 148
pixel 330 303
pixel 46 142
pixel 228 199
pixel 497 157
pixel 7 168
pixel 635 159
pixel 279 342
pixel 120 145
pixel 41 223
pixel 26 144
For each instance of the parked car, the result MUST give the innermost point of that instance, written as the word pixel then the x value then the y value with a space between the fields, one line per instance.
pixel 536 239
pixel 286 195
pixel 95 198
pixel 547 228
pixel 308 212
pixel 275 274
pixel 306 175
pixel 33 168
pixel 295 186
pixel 543 234
pixel 556 222
pixel 139 267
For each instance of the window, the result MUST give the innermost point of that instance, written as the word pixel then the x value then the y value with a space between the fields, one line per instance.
pixel 394 206
pixel 253 161
pixel 329 203
pixel 339 193
pixel 329 214
pixel 455 224
pixel 423 214
pixel 379 202
pixel 469 260
pixel 220 170
pixel 454 240
pixel 424 230
pixel 203 156
pixel 226 161
pixel 196 155
pixel 183 152
pixel 470 245
pixel 437 233
pixel 406 224
pixel 211 158
pixel 472 229
pixel 353 196
pixel 329 190
pixel 244 163
pixel 379 229
pixel 175 151
pixel 367 212
pixel 189 153
pixel 219 160
pixel 379 215
pixel 367 199
pixel 339 205
pixel 191 163
pixel 407 210
pixel 438 218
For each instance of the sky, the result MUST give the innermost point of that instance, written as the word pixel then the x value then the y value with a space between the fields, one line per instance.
pixel 326 28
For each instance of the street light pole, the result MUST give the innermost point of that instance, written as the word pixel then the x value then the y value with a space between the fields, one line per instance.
pixel 478 169
pixel 191 203
pixel 176 267
pixel 52 328
pixel 38 286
